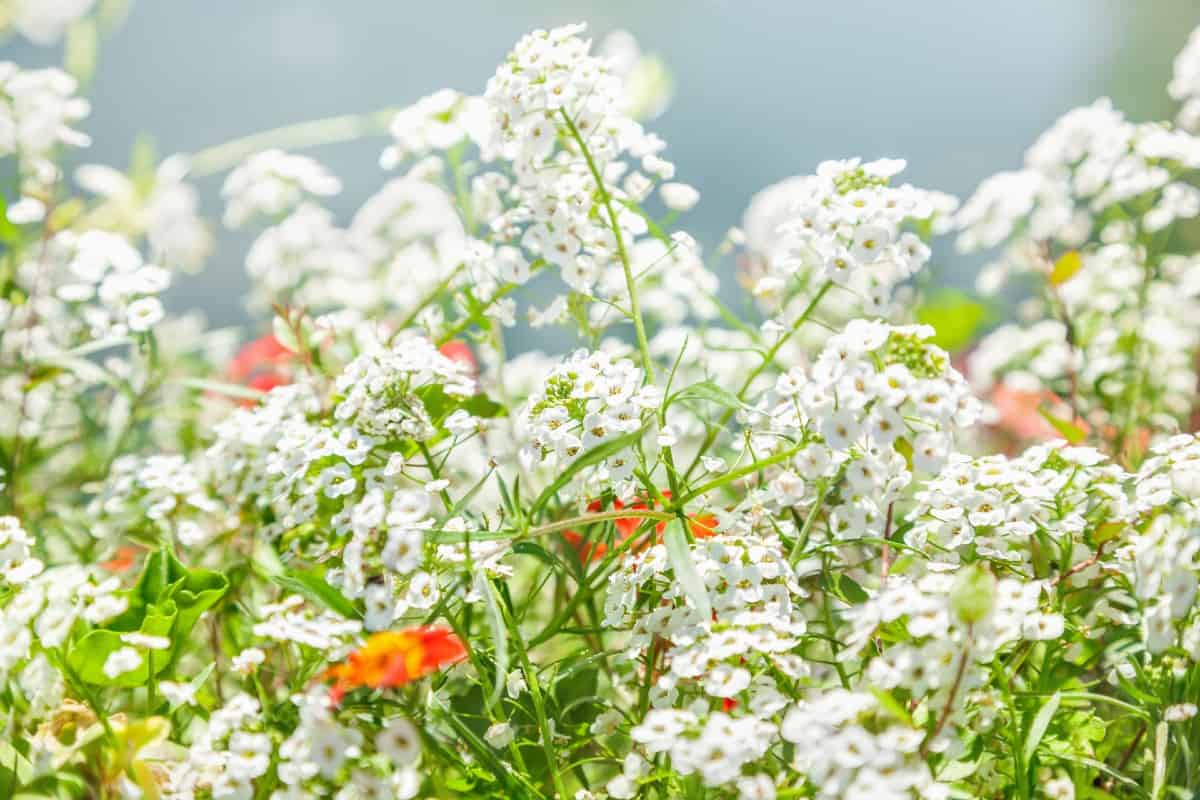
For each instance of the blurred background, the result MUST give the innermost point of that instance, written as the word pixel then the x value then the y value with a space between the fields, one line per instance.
pixel 764 89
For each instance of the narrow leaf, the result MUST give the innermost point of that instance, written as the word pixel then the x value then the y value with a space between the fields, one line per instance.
pixel 711 392
pixel 1069 431
pixel 313 587
pixel 680 557
pixel 1040 723
pixel 588 459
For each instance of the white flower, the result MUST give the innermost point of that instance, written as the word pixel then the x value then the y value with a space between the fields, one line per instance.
pixel 120 661
pixel 679 196
pixel 248 660
pixel 144 313
pixel 399 741
pixel 500 735
pixel 146 641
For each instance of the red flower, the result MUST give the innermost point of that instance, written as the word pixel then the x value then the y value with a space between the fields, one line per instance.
pixel 458 350
pixel 395 658
pixel 261 364
pixel 701 527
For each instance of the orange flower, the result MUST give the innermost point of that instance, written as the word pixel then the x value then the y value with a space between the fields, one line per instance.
pixel 122 560
pixel 702 527
pixel 394 658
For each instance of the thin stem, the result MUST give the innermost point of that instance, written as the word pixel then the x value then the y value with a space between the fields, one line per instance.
pixel 630 283
pixel 767 359
pixel 804 532
pixel 331 130
pixel 950 698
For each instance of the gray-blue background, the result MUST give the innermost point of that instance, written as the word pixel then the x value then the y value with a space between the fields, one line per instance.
pixel 764 88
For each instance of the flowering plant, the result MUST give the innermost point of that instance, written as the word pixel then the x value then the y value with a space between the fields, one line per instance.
pixel 811 554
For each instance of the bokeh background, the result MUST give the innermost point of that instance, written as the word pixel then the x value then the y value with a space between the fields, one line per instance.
pixel 763 88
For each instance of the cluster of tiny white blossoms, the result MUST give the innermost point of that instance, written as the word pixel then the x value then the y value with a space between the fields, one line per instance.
pixel 435 123
pixel 167 212
pixel 38 111
pixel 43 21
pixel 272 183
pixel 1163 559
pixel 993 506
pixel 1088 220
pixel 847 746
pixel 590 399
pixel 878 403
pixel 847 225
pixel 1185 83
pixel 756 621
pixel 1091 160
pixel 375 555
pixel 167 494
pixel 561 119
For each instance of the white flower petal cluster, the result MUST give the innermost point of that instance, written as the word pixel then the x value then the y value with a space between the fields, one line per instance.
pixel 437 122
pixel 1185 83
pixel 271 183
pixel 587 400
pixel 167 213
pixel 560 117
pixel 44 22
pixel 1090 160
pixel 845 224
pixel 847 746
pixel 878 404
pixel 38 112
pixel 994 506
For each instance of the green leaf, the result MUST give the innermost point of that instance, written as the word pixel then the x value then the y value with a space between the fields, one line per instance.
pixel 1069 431
pixel 313 587
pixel 1038 729
pixel 954 316
pixel 588 459
pixel 709 391
pixel 15 769
pixel 440 405
pixel 893 706
pixel 679 555
pixel 499 636
pixel 1065 268
pixel 89 654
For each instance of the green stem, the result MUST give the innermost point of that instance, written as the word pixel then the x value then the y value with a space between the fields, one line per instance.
pixel 331 130
pixel 730 477
pixel 539 704
pixel 768 358
pixel 630 283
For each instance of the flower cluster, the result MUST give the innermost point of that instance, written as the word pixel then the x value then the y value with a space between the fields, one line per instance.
pixel 372 553
pixel 590 399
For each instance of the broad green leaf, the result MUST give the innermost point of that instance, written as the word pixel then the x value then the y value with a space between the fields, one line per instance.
pixel 313 587
pixel 88 655
pixel 954 316
pixel 1038 729
pixel 1065 268
pixel 588 459
pixel 680 557
pixel 1069 430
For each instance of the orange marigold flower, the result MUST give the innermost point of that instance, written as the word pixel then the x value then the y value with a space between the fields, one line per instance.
pixel 394 658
